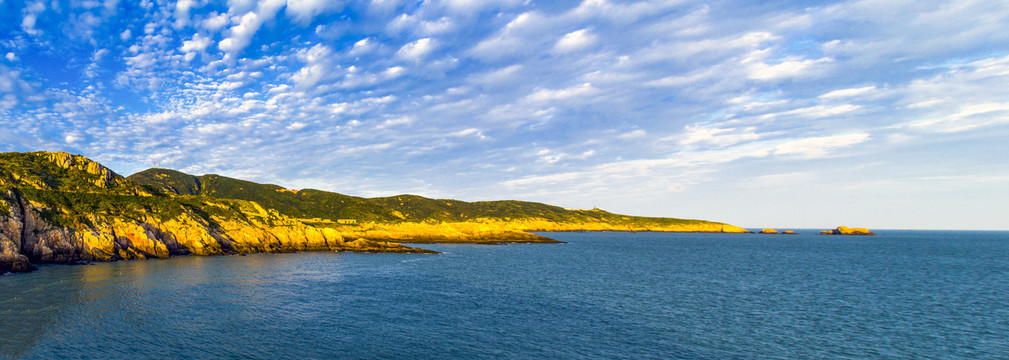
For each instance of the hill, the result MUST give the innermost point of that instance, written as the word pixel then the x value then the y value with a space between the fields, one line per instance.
pixel 64 208
pixel 310 204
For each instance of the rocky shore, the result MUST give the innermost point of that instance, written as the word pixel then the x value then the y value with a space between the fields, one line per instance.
pixel 58 208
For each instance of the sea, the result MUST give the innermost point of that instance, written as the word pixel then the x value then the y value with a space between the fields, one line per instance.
pixel 899 295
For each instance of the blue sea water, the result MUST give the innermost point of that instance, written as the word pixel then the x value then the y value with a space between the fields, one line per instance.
pixel 903 294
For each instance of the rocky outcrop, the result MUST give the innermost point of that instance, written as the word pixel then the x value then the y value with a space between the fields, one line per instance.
pixel 844 230
pixel 768 231
pixel 788 232
pixel 105 178
pixel 64 208
pixel 27 237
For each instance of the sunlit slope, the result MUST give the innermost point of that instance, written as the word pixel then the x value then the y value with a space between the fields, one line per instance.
pixel 63 208
pixel 322 205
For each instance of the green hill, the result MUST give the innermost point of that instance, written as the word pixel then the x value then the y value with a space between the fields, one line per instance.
pixel 62 208
pixel 311 204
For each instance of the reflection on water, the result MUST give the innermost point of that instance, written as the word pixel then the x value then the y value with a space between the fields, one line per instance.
pixel 168 294
pixel 31 304
pixel 602 295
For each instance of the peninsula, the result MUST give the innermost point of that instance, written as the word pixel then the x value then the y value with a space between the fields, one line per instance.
pixel 61 208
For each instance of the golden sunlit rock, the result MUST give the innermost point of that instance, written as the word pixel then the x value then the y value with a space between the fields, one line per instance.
pixel 844 230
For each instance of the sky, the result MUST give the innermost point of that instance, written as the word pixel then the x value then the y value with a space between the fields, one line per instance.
pixel 803 114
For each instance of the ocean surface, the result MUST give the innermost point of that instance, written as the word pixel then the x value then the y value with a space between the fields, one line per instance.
pixel 903 294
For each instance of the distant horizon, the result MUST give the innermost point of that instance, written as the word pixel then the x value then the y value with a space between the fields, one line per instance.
pixel 752 228
pixel 857 113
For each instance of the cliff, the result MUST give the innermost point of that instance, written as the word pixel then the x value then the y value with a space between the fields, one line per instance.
pixel 63 208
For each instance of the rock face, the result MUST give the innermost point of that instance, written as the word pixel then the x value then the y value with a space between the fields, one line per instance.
pixel 27 237
pixel 844 230
pixel 63 208
pixel 768 231
pixel 788 232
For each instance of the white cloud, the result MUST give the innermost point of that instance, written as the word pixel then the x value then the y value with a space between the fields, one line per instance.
pixel 125 35
pixel 964 97
pixel 363 46
pixel 394 72
pixel 417 50
pixel 575 40
pixel 697 134
pixel 847 93
pixel 11 57
pixel 818 111
pixel 474 132
pixel 473 6
pixel 197 44
pixel 819 146
pixel 31 14
pixel 623 12
pixel 789 67
pixel 415 25
pixel 561 94
pixel 688 79
pixel 404 120
pixel 182 8
pixel 636 134
pixel 241 35
pixel 966 117
pixel 521 35
pixel 303 11
pixel 506 74
pixel 215 22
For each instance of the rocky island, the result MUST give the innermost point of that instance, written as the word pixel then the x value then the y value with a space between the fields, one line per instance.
pixel 61 208
pixel 844 230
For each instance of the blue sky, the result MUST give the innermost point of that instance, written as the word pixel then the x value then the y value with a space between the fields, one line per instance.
pixel 885 114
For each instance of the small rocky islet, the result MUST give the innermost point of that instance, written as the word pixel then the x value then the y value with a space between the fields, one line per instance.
pixel 773 231
pixel 844 230
pixel 840 230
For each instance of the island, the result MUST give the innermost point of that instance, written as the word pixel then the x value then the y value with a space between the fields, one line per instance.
pixel 59 208
pixel 844 230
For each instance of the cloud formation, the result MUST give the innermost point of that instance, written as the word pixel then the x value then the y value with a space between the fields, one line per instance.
pixel 630 106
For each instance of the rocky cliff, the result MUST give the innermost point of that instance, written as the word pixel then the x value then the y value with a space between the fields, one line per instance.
pixel 106 218
pixel 63 208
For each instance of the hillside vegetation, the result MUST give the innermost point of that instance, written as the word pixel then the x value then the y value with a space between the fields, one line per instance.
pixel 63 208
pixel 317 204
